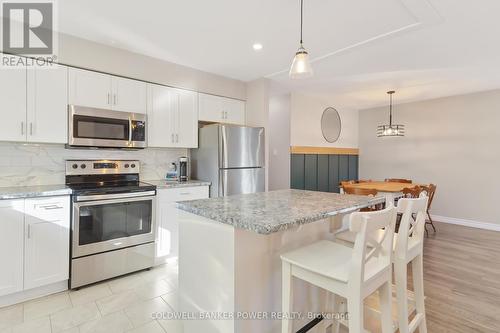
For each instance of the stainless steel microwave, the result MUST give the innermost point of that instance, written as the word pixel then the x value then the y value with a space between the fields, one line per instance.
pixel 92 127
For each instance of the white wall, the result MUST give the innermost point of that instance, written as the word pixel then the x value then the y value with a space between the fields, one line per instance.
pixel 90 55
pixel 257 112
pixel 279 142
pixel 452 142
pixel 306 112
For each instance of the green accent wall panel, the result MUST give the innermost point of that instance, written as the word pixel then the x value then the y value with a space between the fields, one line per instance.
pixel 343 167
pixel 311 172
pixel 320 172
pixel 323 173
pixel 333 173
pixel 297 171
pixel 353 167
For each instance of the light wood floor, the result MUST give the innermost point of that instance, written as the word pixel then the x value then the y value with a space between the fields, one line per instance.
pixel 462 280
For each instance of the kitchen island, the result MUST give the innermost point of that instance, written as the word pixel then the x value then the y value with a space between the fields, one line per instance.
pixel 229 255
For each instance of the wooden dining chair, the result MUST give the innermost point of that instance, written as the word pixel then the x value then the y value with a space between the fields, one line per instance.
pixel 347 182
pixel 398 180
pixel 431 190
pixel 360 191
pixel 412 192
pixel 363 191
pixel 344 183
pixel 364 181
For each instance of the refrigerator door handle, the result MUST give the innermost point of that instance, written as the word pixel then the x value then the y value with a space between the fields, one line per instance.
pixel 222 184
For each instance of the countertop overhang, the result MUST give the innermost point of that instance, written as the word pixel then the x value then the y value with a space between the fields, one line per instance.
pixel 273 211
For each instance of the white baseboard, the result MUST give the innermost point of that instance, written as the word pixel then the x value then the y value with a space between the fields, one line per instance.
pixel 467 223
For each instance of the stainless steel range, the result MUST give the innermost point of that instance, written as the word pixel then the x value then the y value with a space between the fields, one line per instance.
pixel 113 228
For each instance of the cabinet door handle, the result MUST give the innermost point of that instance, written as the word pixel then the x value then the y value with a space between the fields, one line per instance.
pixel 109 99
pixel 31 128
pixel 29 231
pixel 50 207
pixel 177 138
pixel 114 99
pixel 172 139
pixel 22 127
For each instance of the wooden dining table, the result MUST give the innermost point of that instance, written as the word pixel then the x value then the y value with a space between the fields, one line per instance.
pixel 391 190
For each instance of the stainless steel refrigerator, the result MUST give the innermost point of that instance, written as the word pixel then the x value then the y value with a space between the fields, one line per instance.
pixel 231 157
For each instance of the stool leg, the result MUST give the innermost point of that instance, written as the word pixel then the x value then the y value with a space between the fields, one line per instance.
pixel 418 287
pixel 400 274
pixel 385 294
pixel 355 310
pixel 337 310
pixel 286 297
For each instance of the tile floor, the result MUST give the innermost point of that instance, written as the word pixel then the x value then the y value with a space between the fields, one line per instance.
pixel 124 304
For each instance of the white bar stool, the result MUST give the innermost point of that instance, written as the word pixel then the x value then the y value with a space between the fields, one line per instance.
pixel 353 273
pixel 408 248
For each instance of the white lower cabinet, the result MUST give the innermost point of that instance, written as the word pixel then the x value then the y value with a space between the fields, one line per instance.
pixel 34 243
pixel 167 243
pixel 11 246
pixel 46 257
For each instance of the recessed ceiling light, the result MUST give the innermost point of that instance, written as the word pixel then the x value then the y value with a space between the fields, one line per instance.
pixel 257 46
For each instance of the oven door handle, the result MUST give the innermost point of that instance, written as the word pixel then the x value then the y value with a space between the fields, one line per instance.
pixel 123 197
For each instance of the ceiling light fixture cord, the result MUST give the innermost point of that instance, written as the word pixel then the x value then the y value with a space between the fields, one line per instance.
pixel 390 111
pixel 301 18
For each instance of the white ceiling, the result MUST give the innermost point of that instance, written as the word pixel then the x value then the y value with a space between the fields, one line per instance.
pixel 360 48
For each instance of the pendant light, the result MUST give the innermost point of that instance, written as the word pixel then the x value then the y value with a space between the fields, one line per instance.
pixel 301 65
pixel 391 129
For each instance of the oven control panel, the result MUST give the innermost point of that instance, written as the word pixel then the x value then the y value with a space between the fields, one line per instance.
pixel 99 167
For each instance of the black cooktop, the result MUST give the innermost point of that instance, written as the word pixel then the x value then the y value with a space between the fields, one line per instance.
pixel 107 184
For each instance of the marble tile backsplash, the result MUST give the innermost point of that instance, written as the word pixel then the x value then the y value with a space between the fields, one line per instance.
pixel 43 164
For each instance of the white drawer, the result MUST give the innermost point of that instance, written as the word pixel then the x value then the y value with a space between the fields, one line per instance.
pixel 183 193
pixel 50 209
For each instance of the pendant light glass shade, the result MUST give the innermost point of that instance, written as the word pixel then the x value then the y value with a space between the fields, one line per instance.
pixel 390 129
pixel 301 65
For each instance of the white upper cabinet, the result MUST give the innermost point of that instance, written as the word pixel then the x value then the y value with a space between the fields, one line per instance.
pixel 172 117
pixel 47 107
pixel 35 103
pixel 11 246
pixel 128 95
pixel 186 125
pixel 234 111
pixel 13 104
pixel 221 109
pixel 104 91
pixel 161 101
pixel 87 88
pixel 46 258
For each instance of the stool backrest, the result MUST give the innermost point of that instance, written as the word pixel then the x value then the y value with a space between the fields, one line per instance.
pixel 412 225
pixel 369 247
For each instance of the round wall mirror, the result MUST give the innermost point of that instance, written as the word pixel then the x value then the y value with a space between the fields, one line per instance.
pixel 331 124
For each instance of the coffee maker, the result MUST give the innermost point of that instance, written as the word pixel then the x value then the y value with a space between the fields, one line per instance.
pixel 183 169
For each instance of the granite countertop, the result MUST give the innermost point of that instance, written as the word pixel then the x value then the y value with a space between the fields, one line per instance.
pixel 269 212
pixel 20 192
pixel 163 183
